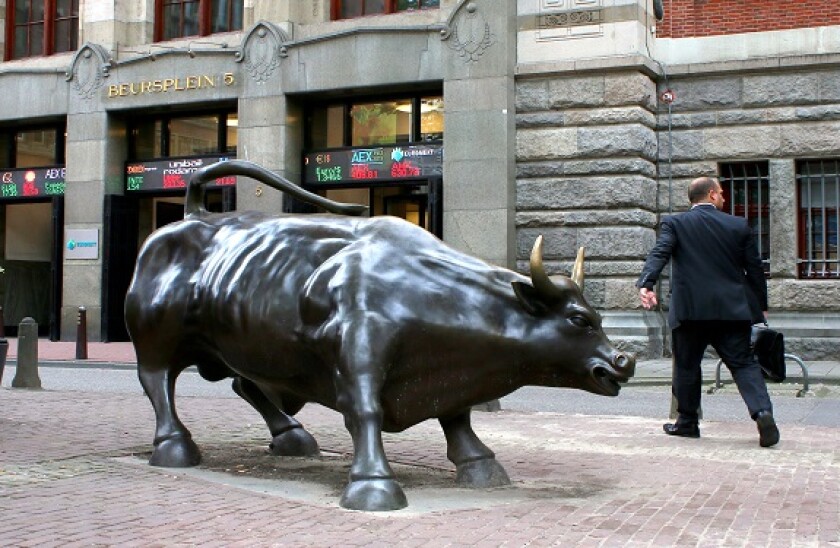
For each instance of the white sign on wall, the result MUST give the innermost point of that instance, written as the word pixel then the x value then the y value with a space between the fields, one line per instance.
pixel 81 243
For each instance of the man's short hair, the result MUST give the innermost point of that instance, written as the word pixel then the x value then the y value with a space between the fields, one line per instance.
pixel 700 188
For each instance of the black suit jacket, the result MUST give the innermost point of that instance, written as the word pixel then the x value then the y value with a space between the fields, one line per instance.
pixel 717 270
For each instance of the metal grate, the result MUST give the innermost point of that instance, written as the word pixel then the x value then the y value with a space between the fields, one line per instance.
pixel 818 189
pixel 746 190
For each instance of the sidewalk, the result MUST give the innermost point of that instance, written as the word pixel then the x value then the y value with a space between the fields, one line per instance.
pixel 74 472
pixel 121 354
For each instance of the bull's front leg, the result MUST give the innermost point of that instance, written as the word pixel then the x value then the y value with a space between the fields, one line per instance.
pixel 174 447
pixel 476 465
pixel 361 372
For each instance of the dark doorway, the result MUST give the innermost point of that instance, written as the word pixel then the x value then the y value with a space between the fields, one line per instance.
pixel 129 220
pixel 31 238
pixel 411 208
pixel 120 254
pixel 168 212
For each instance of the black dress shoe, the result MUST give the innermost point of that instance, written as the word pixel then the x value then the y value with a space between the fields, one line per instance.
pixel 768 432
pixel 685 430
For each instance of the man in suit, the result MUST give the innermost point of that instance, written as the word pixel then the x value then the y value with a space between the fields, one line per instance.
pixel 718 291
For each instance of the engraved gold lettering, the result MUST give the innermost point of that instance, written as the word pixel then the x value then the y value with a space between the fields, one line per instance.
pixel 164 85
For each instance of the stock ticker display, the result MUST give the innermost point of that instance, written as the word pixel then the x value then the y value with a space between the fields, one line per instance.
pixel 374 163
pixel 42 182
pixel 170 174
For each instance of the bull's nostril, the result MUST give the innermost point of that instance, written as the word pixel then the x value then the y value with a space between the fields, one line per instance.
pixel 622 361
pixel 599 372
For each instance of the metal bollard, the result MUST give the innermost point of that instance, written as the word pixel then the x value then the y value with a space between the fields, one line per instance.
pixel 81 335
pixel 4 351
pixel 26 374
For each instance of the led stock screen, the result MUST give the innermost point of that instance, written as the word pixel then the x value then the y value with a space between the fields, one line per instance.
pixel 32 183
pixel 373 163
pixel 169 174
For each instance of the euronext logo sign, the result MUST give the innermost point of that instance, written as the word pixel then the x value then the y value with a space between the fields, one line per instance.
pixel 81 243
pixel 73 244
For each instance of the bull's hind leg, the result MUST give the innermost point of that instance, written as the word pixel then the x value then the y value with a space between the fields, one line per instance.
pixel 362 361
pixel 476 465
pixel 288 435
pixel 173 443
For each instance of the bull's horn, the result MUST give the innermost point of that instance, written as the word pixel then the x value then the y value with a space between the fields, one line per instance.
pixel 577 271
pixel 539 278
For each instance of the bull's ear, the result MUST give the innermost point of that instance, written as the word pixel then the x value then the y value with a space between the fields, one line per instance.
pixel 530 299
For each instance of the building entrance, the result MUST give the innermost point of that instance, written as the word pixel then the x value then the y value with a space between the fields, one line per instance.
pixel 416 202
pixel 31 245
pixel 129 220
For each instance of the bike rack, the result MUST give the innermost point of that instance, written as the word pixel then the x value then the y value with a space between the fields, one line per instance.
pixel 801 393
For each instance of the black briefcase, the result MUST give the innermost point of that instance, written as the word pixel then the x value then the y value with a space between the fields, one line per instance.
pixel 769 348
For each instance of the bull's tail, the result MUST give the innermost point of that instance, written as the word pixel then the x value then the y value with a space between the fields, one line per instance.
pixel 194 204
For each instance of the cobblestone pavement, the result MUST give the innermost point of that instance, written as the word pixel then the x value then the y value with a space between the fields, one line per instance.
pixel 73 473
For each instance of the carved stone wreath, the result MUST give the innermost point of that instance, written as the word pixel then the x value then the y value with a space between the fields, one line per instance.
pixel 88 69
pixel 261 50
pixel 469 32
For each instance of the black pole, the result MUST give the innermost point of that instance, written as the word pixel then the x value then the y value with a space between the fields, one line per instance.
pixel 81 335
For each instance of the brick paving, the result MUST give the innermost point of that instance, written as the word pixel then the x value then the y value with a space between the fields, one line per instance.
pixel 72 473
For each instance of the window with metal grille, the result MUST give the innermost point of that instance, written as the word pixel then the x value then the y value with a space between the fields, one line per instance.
pixel 182 18
pixel 347 9
pixel 818 191
pixel 746 191
pixel 41 27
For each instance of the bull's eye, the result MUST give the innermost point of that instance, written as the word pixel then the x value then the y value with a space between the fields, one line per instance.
pixel 580 321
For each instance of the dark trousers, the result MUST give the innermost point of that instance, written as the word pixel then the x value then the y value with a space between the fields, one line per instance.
pixel 731 340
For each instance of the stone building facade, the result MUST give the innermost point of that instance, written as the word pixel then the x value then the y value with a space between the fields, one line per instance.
pixel 582 120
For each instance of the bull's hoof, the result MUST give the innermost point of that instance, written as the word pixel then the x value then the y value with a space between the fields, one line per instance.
pixel 295 442
pixel 481 474
pixel 176 452
pixel 374 495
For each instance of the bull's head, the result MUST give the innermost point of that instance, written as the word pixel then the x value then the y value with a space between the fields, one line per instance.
pixel 580 356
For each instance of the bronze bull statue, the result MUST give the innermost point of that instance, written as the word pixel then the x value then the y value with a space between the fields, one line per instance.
pixel 373 317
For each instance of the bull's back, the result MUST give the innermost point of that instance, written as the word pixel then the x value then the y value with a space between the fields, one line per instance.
pixel 227 272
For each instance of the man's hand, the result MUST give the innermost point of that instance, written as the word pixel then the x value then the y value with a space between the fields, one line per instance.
pixel 648 298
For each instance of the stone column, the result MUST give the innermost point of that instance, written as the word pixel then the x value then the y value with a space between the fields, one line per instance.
pixel 479 131
pixel 96 152
pixel 270 127
pixel 783 219
pixel 120 23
